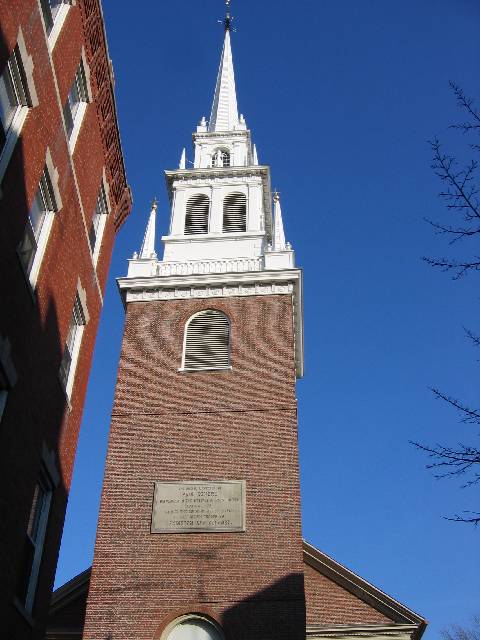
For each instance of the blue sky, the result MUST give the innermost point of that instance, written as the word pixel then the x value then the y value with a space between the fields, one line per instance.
pixel 341 98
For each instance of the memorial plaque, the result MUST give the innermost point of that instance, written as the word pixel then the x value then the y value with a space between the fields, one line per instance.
pixel 198 506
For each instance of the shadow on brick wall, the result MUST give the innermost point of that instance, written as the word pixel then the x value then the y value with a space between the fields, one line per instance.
pixel 36 407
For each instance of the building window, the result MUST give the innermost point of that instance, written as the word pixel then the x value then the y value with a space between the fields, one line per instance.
pixel 207 341
pixel 235 213
pixel 38 226
pixel 13 95
pixel 221 158
pixel 193 627
pixel 196 219
pixel 72 345
pixel 76 103
pixel 36 529
pixel 50 9
pixel 98 222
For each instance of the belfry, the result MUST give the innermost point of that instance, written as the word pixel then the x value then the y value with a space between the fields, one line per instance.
pixel 199 533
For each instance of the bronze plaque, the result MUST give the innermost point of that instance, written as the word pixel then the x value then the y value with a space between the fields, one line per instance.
pixel 199 506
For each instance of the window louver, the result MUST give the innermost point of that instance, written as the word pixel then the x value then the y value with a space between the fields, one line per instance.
pixel 207 341
pixel 235 213
pixel 196 219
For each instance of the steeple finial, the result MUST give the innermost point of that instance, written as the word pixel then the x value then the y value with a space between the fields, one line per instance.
pixel 147 252
pixel 228 19
pixel 224 116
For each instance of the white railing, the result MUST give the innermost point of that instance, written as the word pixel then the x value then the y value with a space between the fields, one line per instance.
pixel 234 265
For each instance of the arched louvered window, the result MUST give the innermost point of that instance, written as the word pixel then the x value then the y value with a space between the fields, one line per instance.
pixel 207 341
pixel 193 628
pixel 221 158
pixel 196 218
pixel 235 213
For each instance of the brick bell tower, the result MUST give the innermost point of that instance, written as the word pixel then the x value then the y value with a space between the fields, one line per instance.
pixel 199 535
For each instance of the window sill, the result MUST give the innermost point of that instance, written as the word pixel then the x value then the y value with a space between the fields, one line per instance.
pixel 77 125
pixel 23 612
pixel 190 370
pixel 57 25
pixel 12 137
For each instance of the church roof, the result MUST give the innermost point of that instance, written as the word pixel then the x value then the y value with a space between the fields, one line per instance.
pixel 339 604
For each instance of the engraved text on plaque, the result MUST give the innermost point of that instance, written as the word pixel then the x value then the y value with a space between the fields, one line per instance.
pixel 199 506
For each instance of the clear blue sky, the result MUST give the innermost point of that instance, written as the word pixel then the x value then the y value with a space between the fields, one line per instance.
pixel 341 98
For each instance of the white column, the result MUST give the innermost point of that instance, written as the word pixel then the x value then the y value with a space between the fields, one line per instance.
pixel 255 206
pixel 178 212
pixel 216 210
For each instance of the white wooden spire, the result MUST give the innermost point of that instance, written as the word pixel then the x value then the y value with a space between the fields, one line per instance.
pixel 148 245
pixel 224 116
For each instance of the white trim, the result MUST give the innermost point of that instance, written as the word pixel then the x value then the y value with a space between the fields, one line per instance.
pixel 212 237
pixel 75 354
pixel 185 330
pixel 103 220
pixel 13 135
pixel 191 616
pixel 45 482
pixel 77 124
pixel 58 24
pixel 41 247
pixel 373 632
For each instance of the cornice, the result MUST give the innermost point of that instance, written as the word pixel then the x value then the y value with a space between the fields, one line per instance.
pixel 239 133
pixel 361 631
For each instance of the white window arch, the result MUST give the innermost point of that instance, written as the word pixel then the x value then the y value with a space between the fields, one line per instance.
pixel 193 627
pixel 206 344
pixel 196 217
pixel 235 213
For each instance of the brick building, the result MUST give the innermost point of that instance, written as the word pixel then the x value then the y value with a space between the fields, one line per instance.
pixel 63 196
pixel 199 534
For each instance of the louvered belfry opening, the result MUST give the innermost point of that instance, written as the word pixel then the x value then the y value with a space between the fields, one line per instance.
pixel 207 341
pixel 196 218
pixel 235 213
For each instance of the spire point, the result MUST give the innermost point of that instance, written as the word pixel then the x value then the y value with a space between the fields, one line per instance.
pixel 228 18
pixel 224 115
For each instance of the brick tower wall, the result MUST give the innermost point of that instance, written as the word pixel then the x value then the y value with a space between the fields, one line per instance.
pixel 170 425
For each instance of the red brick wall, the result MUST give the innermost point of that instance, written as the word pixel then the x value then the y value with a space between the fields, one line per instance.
pixel 169 425
pixel 328 603
pixel 36 323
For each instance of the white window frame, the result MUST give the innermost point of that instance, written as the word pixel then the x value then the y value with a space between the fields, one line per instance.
pixel 81 81
pixel 79 319
pixel 45 483
pixel 57 20
pixel 95 250
pixel 20 65
pixel 49 180
pixel 193 617
pixel 183 368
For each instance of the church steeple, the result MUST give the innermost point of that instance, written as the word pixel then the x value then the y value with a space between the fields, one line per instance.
pixel 224 115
